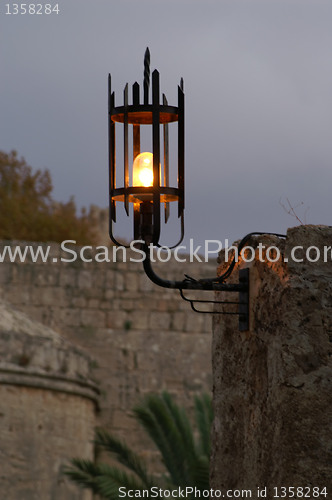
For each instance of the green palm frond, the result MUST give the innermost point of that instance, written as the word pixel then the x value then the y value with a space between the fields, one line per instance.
pixel 200 472
pixel 204 418
pixel 158 426
pixel 168 425
pixel 182 423
pixel 170 430
pixel 102 478
pixel 84 473
pixel 113 479
pixel 124 455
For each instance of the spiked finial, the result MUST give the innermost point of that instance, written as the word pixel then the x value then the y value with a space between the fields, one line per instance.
pixel 146 75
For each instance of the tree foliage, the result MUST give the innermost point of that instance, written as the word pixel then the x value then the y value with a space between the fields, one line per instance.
pixel 184 449
pixel 28 211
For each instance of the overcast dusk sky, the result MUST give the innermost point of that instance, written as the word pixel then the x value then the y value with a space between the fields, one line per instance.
pixel 258 86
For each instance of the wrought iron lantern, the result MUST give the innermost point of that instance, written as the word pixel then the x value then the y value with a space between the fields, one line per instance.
pixel 147 185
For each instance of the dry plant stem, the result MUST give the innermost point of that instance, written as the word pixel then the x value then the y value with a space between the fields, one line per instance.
pixel 291 210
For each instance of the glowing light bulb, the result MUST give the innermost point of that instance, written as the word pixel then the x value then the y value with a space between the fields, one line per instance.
pixel 143 170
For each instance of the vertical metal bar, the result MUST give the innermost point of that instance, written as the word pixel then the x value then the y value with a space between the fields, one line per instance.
pixel 125 145
pixel 136 128
pixel 166 160
pixel 136 140
pixel 136 219
pixel 136 94
pixel 146 75
pixel 111 152
pixel 181 147
pixel 136 151
pixel 156 156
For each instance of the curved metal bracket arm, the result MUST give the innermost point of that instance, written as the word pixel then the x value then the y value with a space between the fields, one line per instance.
pixel 188 283
pixel 191 284
pixel 216 284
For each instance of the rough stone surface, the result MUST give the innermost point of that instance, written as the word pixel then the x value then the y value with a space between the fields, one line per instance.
pixel 47 409
pixel 272 384
pixel 143 338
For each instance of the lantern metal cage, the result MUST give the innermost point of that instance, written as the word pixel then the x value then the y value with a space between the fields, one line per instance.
pixel 146 199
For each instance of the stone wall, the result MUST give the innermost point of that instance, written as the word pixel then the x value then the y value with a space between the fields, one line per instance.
pixel 272 384
pixel 47 409
pixel 143 338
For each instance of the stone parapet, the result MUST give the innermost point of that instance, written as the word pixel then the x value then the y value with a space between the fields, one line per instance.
pixel 272 384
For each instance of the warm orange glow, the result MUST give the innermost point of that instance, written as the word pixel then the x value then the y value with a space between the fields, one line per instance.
pixel 143 170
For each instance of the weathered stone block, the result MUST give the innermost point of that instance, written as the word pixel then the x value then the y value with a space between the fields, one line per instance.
pixel 70 316
pixel 139 320
pixel 116 319
pixel 85 279
pixel 93 317
pixel 194 322
pixel 78 302
pixel 145 285
pixel 119 281
pixel 159 320
pixel 131 280
pixel 178 321
pixel 68 276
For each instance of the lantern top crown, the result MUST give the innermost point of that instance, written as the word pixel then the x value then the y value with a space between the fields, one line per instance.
pixel 140 113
